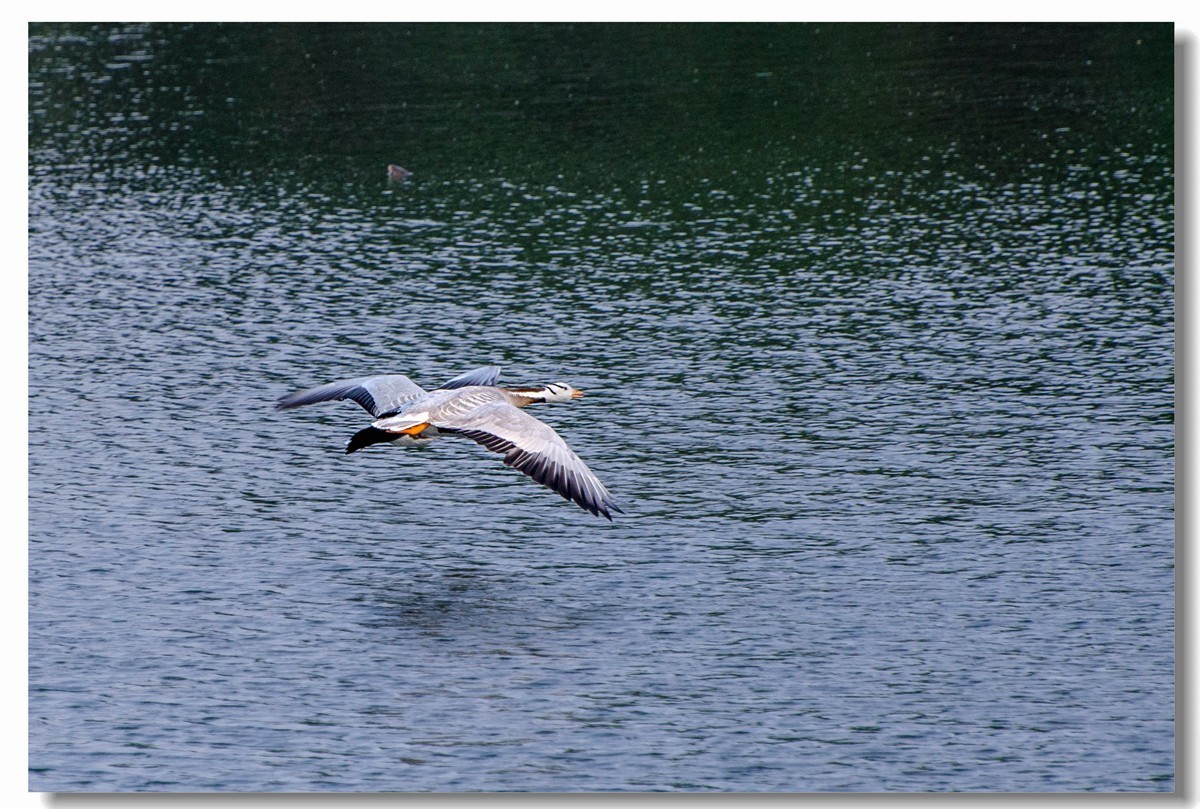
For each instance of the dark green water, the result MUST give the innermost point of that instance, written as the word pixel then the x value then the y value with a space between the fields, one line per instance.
pixel 876 324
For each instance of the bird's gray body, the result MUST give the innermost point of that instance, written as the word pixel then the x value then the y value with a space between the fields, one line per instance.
pixel 472 406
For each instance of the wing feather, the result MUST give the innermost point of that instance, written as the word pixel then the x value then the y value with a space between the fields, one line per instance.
pixel 533 448
pixel 376 394
pixel 487 376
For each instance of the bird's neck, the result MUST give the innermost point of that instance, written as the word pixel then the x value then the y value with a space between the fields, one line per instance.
pixel 523 397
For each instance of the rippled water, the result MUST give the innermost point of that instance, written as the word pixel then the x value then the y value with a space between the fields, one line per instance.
pixel 876 326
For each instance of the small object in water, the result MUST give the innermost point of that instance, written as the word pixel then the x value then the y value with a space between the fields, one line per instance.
pixel 397 174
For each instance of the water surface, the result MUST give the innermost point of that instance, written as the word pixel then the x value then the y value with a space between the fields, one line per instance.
pixel 876 325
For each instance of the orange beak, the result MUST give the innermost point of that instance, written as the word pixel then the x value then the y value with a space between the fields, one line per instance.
pixel 576 394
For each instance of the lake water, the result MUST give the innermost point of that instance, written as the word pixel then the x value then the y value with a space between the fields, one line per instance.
pixel 876 326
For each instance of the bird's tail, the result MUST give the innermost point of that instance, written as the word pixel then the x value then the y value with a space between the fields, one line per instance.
pixel 368 436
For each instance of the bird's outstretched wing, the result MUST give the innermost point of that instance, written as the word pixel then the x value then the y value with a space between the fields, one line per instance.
pixel 488 375
pixel 535 449
pixel 376 394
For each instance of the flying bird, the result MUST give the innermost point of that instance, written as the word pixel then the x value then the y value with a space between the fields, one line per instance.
pixel 470 405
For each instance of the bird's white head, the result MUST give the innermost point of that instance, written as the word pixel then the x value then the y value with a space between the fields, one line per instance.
pixel 560 392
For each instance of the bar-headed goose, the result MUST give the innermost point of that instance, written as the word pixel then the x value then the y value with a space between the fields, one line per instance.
pixel 470 405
